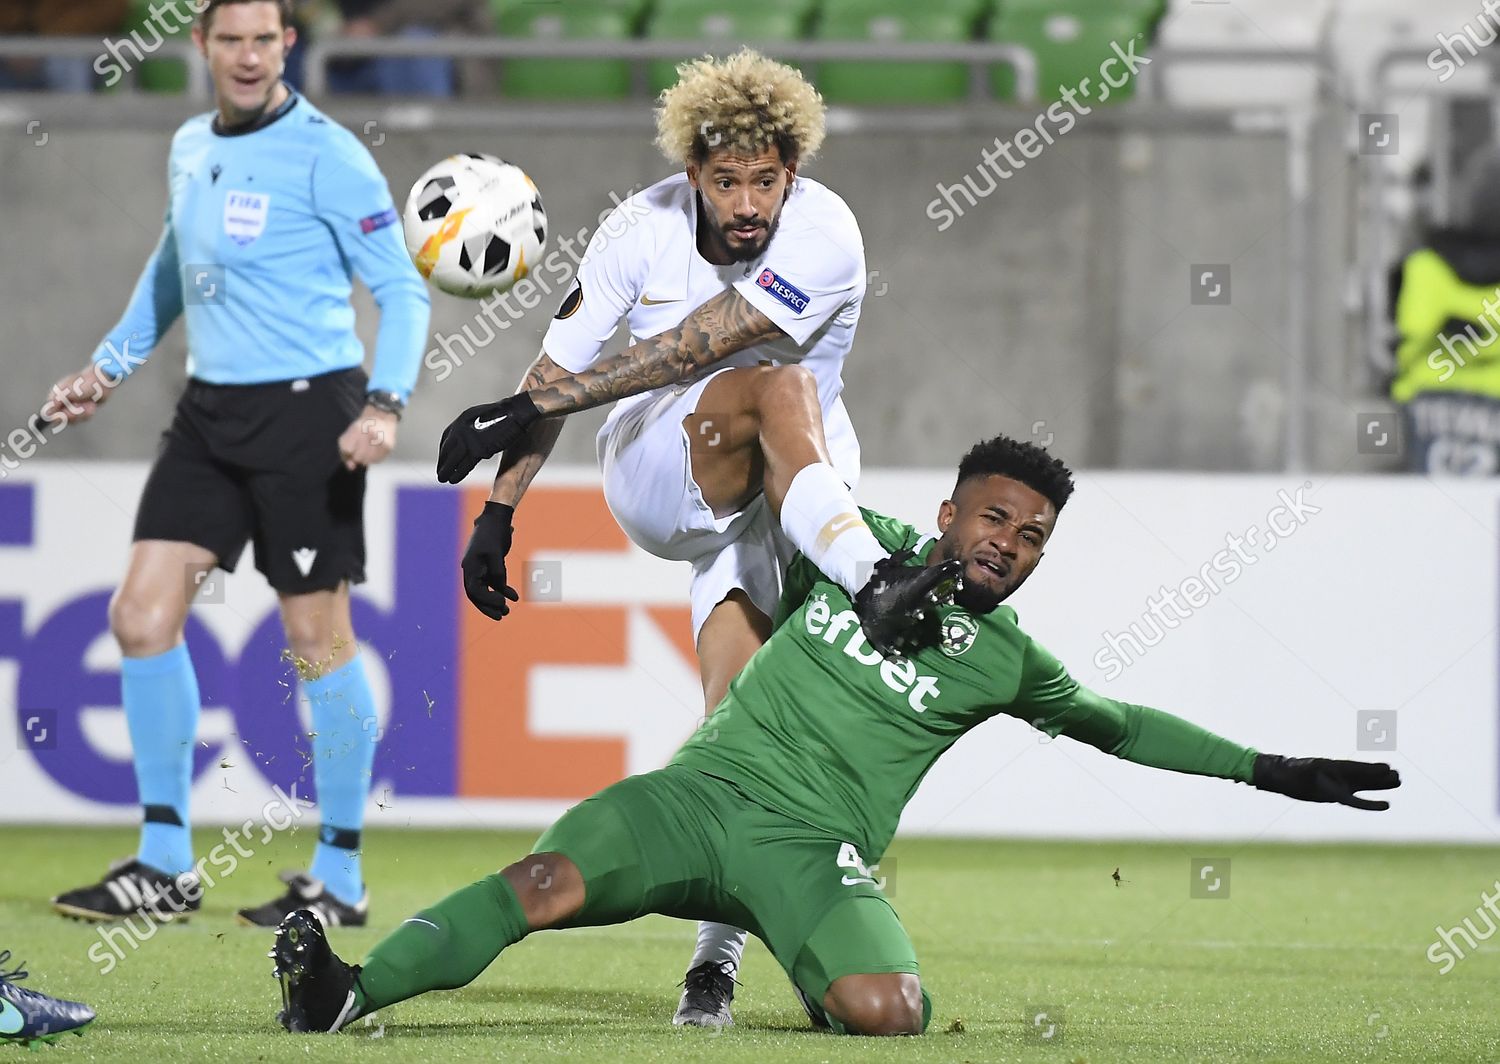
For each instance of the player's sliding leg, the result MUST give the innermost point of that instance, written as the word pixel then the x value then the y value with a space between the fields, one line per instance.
pixel 320 635
pixel 159 692
pixel 441 948
pixel 857 971
pixel 760 429
pixel 886 1003
pixel 589 870
pixel 733 631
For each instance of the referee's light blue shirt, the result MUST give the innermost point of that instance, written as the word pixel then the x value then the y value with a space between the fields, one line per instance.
pixel 264 233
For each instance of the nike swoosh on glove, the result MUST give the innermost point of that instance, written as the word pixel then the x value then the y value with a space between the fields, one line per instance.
pixel 482 432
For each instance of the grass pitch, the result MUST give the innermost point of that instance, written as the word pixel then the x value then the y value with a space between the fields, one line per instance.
pixel 1317 954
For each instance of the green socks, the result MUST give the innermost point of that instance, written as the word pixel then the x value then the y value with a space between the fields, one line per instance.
pixel 443 947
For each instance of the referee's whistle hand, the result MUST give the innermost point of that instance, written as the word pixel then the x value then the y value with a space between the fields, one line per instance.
pixel 75 398
pixel 370 439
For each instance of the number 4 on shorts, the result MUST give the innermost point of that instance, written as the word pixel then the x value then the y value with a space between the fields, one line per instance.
pixel 849 858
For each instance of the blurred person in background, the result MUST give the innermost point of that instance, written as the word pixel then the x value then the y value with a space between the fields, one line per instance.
pixel 54 18
pixel 1447 317
pixel 413 76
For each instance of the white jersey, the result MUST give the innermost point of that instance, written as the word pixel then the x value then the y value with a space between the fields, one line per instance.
pixel 643 265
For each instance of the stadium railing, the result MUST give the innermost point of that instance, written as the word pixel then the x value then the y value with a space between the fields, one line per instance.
pixel 980 56
pixel 96 49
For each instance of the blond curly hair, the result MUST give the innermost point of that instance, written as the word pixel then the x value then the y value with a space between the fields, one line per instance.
pixel 746 102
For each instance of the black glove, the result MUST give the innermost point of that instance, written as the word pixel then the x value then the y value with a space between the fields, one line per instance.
pixel 898 606
pixel 482 432
pixel 1319 779
pixel 484 561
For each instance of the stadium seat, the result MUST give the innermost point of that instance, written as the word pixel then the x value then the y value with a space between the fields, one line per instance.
pixel 633 10
pixel 1069 48
pixel 802 9
pixel 1150 8
pixel 565 79
pixel 157 75
pixel 878 82
pixel 974 10
pixel 1274 26
pixel 1360 37
pixel 717 25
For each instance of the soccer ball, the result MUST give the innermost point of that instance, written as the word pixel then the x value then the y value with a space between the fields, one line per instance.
pixel 474 225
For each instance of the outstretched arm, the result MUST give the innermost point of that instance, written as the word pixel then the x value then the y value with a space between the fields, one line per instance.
pixel 1055 703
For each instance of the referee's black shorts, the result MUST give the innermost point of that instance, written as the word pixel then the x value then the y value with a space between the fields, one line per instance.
pixel 260 462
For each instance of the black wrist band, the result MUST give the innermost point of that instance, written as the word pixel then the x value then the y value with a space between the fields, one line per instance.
pixel 386 402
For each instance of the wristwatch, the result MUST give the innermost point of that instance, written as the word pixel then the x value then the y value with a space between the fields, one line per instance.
pixel 388 402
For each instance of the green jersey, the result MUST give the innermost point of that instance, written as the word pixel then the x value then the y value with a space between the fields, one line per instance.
pixel 821 727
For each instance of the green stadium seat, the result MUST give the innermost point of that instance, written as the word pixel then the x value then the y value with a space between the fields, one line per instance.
pixel 1069 47
pixel 802 9
pixel 879 82
pixel 634 10
pixel 1152 8
pixel 973 10
pixel 565 79
pixel 717 25
pixel 159 75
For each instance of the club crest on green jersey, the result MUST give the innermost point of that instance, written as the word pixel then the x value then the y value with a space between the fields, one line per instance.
pixel 959 632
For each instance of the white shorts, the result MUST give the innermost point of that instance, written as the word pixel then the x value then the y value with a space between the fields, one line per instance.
pixel 648 484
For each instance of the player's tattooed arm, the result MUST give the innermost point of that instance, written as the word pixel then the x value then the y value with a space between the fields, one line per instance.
pixel 520 464
pixel 725 324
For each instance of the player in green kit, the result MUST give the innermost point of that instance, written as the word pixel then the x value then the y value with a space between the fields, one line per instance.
pixel 770 815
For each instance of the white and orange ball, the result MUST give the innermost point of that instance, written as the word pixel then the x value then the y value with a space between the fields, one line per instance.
pixel 474 225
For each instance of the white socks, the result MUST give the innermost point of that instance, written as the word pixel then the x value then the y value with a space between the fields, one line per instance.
pixel 719 943
pixel 821 519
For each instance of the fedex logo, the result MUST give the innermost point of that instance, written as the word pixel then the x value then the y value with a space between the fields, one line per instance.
pixel 787 293
pixel 57 676
pixel 899 674
pixel 449 730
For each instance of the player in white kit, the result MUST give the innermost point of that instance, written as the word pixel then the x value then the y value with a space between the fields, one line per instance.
pixel 730 447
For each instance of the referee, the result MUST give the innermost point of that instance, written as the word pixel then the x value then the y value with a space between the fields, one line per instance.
pixel 272 209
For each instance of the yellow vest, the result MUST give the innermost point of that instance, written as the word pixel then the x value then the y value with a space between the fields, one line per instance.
pixel 1433 355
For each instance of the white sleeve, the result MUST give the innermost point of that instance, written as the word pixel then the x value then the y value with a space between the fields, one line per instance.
pixel 806 277
pixel 610 279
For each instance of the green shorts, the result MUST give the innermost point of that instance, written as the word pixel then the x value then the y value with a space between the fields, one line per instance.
pixel 682 843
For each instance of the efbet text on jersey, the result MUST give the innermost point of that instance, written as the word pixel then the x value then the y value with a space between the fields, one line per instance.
pixel 899 674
